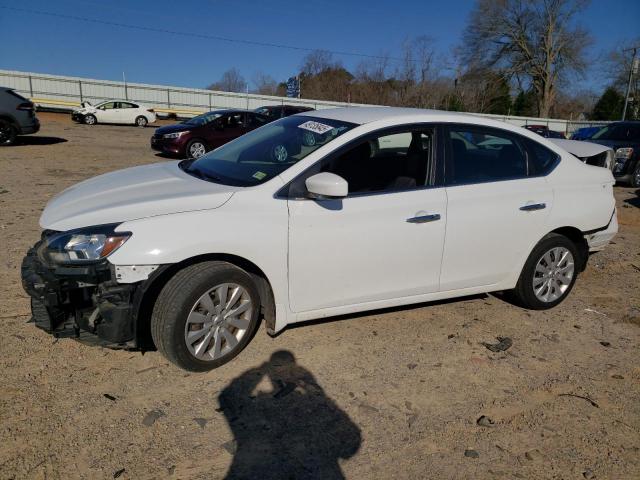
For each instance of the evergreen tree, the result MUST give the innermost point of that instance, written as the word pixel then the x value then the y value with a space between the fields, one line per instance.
pixel 609 106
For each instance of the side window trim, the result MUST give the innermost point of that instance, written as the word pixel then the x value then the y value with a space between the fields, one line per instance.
pixel 283 192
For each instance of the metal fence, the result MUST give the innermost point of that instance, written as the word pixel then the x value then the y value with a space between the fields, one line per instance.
pixel 65 93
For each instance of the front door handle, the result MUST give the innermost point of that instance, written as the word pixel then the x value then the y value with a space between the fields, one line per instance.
pixel 424 218
pixel 533 206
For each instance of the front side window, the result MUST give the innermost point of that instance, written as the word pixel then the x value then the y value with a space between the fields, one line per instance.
pixel 477 155
pixel 108 106
pixel 379 163
pixel 266 152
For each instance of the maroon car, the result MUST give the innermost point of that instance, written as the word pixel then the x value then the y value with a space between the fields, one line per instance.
pixel 196 136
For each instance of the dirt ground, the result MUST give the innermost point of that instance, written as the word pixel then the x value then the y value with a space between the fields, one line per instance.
pixel 390 394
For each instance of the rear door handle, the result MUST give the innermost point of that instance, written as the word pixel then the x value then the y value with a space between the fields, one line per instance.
pixel 424 218
pixel 533 206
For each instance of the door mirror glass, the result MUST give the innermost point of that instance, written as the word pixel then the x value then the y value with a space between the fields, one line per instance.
pixel 327 185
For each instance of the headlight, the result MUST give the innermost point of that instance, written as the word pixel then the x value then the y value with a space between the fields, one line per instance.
pixel 624 153
pixel 175 134
pixel 84 245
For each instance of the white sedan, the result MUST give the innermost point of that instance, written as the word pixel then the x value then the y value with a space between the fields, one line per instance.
pixel 385 207
pixel 114 111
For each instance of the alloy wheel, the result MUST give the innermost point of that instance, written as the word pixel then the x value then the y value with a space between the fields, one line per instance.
pixel 196 150
pixel 553 274
pixel 5 133
pixel 218 321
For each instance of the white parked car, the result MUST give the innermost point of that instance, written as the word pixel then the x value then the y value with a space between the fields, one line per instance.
pixel 114 111
pixel 385 207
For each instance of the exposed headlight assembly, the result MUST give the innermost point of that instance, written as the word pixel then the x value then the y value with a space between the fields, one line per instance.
pixel 84 245
pixel 175 134
pixel 624 153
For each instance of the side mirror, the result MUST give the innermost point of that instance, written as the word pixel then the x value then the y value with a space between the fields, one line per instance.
pixel 218 126
pixel 327 185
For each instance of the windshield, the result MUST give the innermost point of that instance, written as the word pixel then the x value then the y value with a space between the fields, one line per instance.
pixel 203 119
pixel 618 131
pixel 263 153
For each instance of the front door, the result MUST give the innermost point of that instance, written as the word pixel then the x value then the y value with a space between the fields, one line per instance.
pixel 384 240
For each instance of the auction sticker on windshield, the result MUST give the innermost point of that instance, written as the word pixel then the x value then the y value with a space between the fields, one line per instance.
pixel 316 127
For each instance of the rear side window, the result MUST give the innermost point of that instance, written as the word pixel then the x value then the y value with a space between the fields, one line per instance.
pixel 541 159
pixel 478 155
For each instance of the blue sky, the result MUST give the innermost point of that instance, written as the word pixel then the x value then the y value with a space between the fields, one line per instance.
pixel 45 44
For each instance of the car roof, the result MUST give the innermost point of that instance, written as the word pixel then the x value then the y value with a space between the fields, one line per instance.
pixel 362 115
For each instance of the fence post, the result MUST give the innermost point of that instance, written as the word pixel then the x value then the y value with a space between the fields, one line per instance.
pixel 80 87
pixel 30 87
pixel 168 99
pixel 209 101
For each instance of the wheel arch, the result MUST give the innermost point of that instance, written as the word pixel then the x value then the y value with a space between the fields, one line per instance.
pixel 577 237
pixel 10 119
pixel 147 295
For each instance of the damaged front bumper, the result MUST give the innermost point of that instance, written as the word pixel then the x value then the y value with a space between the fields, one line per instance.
pixel 68 299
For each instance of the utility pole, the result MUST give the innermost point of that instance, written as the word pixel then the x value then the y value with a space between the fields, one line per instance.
pixel 633 67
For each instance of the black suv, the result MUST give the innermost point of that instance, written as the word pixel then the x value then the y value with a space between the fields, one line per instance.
pixel 273 112
pixel 624 138
pixel 17 116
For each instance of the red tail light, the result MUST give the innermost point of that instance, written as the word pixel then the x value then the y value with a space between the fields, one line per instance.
pixel 26 106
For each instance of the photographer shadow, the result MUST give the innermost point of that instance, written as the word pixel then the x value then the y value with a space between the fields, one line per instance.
pixel 292 431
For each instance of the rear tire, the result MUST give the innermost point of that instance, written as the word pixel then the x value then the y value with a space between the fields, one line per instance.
pixel 8 133
pixel 191 306
pixel 90 119
pixel 141 121
pixel 549 273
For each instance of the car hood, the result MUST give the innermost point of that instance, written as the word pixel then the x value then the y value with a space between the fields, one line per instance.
pixel 178 127
pixel 85 109
pixel 615 144
pixel 130 194
pixel 579 148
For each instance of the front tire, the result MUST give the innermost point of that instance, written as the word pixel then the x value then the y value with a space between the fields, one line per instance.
pixel 196 149
pixel 635 177
pixel 141 121
pixel 205 315
pixel 90 119
pixel 8 133
pixel 548 274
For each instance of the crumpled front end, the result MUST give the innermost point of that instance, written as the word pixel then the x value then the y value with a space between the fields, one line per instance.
pixel 68 299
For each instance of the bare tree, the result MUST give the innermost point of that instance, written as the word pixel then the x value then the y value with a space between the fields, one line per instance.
pixel 265 84
pixel 231 81
pixel 534 39
pixel 318 61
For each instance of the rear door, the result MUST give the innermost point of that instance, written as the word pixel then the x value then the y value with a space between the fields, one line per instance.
pixel 497 204
pixel 128 112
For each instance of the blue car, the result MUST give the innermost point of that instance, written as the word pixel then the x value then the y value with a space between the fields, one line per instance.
pixel 584 133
